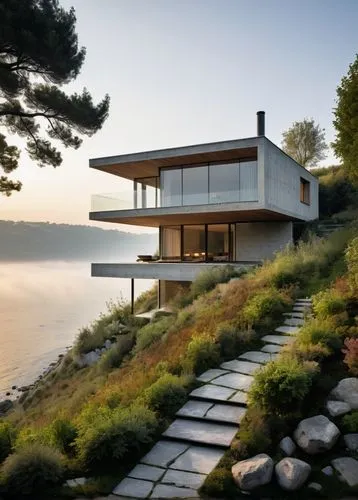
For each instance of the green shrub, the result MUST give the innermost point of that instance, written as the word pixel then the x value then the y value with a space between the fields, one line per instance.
pixel 147 300
pixel 321 332
pixel 233 341
pixel 152 332
pixel 280 386
pixel 114 356
pixel 31 471
pixel 202 354
pixel 350 422
pixel 219 484
pixel 328 303
pixel 352 263
pixel 264 304
pixel 108 436
pixel 209 278
pixel 7 437
pixel 63 434
pixel 307 351
pixel 253 436
pixel 166 395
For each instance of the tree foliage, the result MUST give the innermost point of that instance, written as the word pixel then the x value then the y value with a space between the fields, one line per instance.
pixel 38 54
pixel 305 142
pixel 346 121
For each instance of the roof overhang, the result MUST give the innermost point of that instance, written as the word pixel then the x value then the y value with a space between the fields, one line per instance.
pixel 147 164
pixel 153 218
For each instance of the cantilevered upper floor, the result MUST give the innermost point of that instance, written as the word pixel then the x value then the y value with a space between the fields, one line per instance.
pixel 231 181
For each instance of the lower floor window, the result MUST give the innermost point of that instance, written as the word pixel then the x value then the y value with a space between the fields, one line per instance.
pixel 198 243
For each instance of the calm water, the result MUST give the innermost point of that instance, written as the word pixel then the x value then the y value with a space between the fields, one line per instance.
pixel 42 306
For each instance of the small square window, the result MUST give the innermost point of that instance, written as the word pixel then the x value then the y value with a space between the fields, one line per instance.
pixel 304 191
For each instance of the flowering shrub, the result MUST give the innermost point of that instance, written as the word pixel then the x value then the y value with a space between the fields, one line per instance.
pixel 351 354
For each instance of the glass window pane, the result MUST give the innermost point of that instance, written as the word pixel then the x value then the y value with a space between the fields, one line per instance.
pixel 195 185
pixel 218 242
pixel 248 181
pixel 171 239
pixel 224 183
pixel 171 188
pixel 194 243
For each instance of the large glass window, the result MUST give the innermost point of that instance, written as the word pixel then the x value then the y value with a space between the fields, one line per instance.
pixel 195 185
pixel 171 243
pixel 171 187
pixel 194 243
pixel 218 243
pixel 224 183
pixel 248 181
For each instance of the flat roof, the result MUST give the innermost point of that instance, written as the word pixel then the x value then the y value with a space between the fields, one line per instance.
pixel 146 164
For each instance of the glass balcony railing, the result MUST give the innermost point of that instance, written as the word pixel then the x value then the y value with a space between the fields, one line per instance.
pixel 125 201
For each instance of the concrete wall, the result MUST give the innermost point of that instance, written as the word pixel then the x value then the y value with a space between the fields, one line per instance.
pixel 260 240
pixel 282 184
pixel 163 271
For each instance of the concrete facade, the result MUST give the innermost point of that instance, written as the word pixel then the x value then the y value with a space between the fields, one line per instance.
pixel 258 241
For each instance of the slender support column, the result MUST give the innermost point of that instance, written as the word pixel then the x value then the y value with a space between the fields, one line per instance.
pixel 159 302
pixel 132 295
pixel 135 194
pixel 144 196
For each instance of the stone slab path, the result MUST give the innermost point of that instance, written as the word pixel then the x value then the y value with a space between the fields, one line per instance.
pixel 192 446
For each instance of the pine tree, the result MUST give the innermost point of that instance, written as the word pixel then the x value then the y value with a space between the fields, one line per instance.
pixel 38 54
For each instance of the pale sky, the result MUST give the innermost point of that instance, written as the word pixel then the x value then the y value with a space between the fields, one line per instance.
pixel 183 72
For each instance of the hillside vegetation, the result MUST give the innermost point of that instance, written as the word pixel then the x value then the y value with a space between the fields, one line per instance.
pixel 97 420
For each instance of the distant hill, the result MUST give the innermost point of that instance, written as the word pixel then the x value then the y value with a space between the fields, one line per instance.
pixel 47 241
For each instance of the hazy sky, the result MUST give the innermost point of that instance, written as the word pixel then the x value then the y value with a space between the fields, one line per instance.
pixel 183 72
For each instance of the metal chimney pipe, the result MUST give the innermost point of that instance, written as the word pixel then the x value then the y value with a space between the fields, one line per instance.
pixel 261 123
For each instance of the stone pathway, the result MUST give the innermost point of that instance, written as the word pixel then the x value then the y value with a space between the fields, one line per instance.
pixel 205 426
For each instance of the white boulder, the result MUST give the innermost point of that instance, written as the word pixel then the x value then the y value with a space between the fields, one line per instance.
pixel 287 446
pixel 336 408
pixel 253 472
pixel 316 434
pixel 347 391
pixel 347 468
pixel 351 441
pixel 292 473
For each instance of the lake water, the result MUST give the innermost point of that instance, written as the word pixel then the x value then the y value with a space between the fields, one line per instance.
pixel 42 307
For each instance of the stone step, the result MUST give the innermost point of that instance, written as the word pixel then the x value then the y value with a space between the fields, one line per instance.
pixel 200 432
pixel 213 393
pixel 213 412
pixel 209 375
pixel 278 339
pixel 271 348
pixel 236 381
pixel 245 367
pixel 308 301
pixel 288 330
pixel 294 321
pixel 163 491
pixel 294 315
pixel 301 309
pixel 256 357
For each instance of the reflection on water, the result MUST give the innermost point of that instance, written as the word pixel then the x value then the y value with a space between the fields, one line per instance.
pixel 42 306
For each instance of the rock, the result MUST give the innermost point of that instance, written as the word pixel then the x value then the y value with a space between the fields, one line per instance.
pixel 8 394
pixel 327 471
pixel 292 473
pixel 5 406
pixel 347 469
pixel 14 387
pixel 315 487
pixel 336 408
pixel 316 434
pixel 253 472
pixel 347 391
pixel 351 441
pixel 287 446
pixel 88 359
pixel 107 344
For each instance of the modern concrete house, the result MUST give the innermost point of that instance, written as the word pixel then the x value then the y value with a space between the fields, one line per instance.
pixel 225 202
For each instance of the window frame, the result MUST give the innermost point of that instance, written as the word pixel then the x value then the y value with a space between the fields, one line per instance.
pixel 305 191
